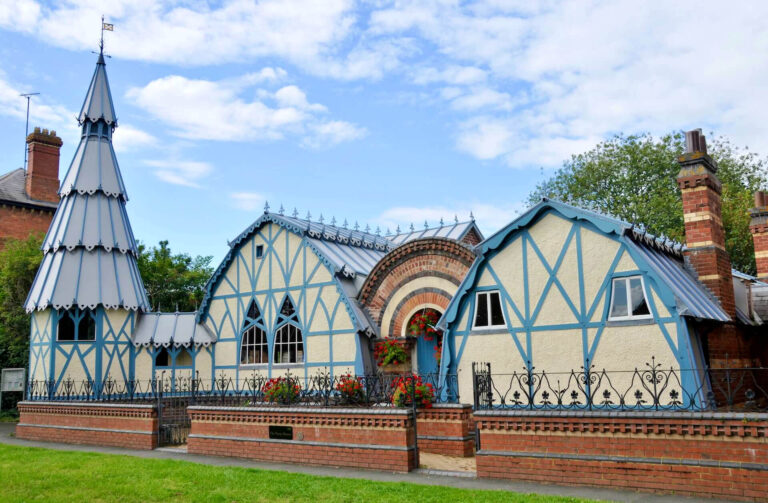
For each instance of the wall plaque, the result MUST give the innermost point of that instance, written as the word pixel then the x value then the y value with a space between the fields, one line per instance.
pixel 281 432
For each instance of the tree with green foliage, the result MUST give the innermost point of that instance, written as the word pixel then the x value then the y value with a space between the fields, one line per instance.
pixel 19 260
pixel 173 281
pixel 634 178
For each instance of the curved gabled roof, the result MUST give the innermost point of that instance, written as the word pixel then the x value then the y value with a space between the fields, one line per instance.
pixel 662 256
pixel 346 252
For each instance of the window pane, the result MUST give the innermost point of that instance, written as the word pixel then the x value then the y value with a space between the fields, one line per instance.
pixel 162 359
pixel 619 305
pixel 639 306
pixel 66 328
pixel 481 310
pixel 497 317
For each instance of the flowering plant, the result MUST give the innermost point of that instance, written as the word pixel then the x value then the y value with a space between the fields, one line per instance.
pixel 413 385
pixel 423 323
pixel 350 389
pixel 390 351
pixel 281 390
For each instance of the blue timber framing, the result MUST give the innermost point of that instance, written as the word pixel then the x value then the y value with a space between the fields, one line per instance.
pixel 461 308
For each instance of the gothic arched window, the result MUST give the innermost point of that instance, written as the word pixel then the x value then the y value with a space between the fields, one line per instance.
pixel 289 343
pixel 253 338
pixel 76 325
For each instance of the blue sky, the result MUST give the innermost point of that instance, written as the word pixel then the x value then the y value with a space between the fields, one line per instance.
pixel 382 112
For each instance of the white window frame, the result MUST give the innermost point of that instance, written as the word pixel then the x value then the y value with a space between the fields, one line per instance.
pixel 629 316
pixel 298 345
pixel 253 347
pixel 488 307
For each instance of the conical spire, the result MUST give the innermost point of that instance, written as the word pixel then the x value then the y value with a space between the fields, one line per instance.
pixel 98 100
pixel 90 252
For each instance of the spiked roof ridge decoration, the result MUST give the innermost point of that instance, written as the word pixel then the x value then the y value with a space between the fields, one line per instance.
pixel 89 251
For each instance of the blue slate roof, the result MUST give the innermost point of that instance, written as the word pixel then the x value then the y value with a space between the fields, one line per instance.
pixel 89 251
pixel 665 257
pixel 171 329
pixel 98 100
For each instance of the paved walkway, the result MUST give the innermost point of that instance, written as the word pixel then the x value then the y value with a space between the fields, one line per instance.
pixel 417 477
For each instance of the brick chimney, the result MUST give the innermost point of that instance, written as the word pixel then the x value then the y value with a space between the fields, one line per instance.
pixel 759 228
pixel 43 166
pixel 704 233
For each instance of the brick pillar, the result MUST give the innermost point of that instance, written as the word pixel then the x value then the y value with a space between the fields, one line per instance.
pixel 43 169
pixel 704 233
pixel 759 228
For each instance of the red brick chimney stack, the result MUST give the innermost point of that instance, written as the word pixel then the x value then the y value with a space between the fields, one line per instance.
pixel 704 233
pixel 759 228
pixel 43 168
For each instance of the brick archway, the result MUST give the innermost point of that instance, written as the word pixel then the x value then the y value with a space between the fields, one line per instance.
pixel 424 272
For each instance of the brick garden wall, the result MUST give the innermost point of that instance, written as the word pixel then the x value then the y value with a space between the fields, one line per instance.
pixel 121 425
pixel 359 438
pixel 446 429
pixel 698 454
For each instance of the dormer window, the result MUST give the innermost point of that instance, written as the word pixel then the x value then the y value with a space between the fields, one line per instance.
pixel 628 300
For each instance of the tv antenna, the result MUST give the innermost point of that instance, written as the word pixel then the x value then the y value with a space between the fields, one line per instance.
pixel 28 96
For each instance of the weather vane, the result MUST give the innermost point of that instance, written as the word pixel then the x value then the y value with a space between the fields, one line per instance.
pixel 104 27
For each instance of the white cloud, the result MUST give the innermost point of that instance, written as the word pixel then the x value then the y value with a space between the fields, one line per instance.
pixel 248 201
pixel 488 217
pixel 128 138
pixel 216 110
pixel 330 133
pixel 184 173
pixel 535 76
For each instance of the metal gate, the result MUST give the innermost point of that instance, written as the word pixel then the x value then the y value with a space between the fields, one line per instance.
pixel 172 420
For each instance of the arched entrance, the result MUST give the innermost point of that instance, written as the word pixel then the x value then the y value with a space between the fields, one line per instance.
pixel 429 340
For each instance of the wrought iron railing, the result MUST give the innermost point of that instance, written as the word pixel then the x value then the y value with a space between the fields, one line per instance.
pixel 320 389
pixel 651 388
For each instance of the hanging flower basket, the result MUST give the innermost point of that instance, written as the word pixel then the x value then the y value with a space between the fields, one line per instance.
pixel 392 356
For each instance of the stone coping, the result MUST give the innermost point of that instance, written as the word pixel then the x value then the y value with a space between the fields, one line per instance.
pixel 390 411
pixel 559 414
pixel 64 403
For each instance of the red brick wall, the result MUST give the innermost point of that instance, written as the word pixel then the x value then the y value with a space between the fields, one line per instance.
pixel 120 425
pixel 705 455
pixel 19 223
pixel 359 438
pixel 446 429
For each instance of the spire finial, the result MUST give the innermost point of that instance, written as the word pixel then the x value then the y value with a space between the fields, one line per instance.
pixel 397 230
pixel 471 216
pixel 367 229
pixel 357 226
pixel 378 230
pixel 455 219
pixel 345 224
pixel 266 207
pixel 412 227
pixel 442 222
pixel 281 211
pixel 333 221
pixel 389 232
pixel 321 219
pixel 295 213
pixel 104 27
pixel 309 216
pixel 426 224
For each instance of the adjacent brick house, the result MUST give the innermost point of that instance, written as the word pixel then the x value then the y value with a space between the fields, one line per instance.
pixel 28 199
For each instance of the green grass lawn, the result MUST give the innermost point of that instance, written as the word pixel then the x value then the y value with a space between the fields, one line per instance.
pixel 31 474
